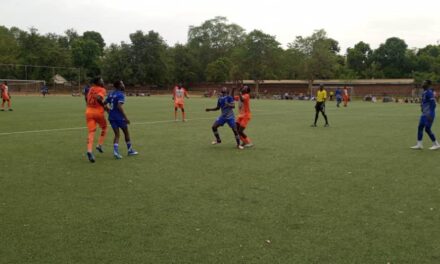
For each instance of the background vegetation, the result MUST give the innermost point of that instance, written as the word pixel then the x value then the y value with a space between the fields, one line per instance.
pixel 216 51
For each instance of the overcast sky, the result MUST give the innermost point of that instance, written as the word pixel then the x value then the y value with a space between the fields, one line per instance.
pixel 371 21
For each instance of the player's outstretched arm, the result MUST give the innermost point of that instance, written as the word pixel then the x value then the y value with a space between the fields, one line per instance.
pixel 212 109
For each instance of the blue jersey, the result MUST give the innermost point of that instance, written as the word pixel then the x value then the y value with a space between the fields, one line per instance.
pixel 428 103
pixel 86 90
pixel 338 93
pixel 227 111
pixel 113 99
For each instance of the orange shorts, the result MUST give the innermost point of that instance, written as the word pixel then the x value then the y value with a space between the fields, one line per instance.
pixel 243 121
pixel 5 97
pixel 179 105
pixel 93 119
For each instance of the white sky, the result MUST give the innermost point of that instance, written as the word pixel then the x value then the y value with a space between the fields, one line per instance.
pixel 371 21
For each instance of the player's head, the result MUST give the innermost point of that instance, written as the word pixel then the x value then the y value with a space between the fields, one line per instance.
pixel 5 82
pixel 321 86
pixel 119 85
pixel 224 90
pixel 98 81
pixel 245 89
pixel 426 84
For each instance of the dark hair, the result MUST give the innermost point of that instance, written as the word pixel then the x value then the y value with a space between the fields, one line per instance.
pixel 117 84
pixel 247 89
pixel 428 82
pixel 97 80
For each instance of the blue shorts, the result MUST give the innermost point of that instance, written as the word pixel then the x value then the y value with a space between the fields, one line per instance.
pixel 230 121
pixel 118 124
pixel 426 122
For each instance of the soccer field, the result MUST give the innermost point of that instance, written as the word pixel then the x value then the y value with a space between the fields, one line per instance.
pixel 350 193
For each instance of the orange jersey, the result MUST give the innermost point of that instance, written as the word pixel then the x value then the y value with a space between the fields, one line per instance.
pixel 5 91
pixel 179 95
pixel 93 106
pixel 244 106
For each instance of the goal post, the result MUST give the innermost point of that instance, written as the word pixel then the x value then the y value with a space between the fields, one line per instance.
pixel 24 86
pixel 26 78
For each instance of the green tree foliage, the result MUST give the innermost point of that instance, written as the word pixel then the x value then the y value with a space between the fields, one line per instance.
pixel 219 71
pixel 427 63
pixel 86 54
pixel 216 51
pixel 9 48
pixel 359 59
pixel 149 58
pixel 260 54
pixel 318 53
pixel 96 37
pixel 185 67
pixel 259 57
pixel 36 49
pixel 117 64
pixel 391 58
pixel 212 40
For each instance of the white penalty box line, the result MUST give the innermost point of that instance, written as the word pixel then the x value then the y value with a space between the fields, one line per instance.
pixel 134 123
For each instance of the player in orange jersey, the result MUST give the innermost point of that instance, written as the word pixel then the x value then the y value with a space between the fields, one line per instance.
pixel 6 97
pixel 244 115
pixel 345 96
pixel 95 115
pixel 179 94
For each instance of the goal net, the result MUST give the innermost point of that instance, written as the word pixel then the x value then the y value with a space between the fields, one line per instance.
pixel 24 86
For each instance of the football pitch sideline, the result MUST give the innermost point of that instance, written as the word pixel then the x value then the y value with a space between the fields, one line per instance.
pixel 350 193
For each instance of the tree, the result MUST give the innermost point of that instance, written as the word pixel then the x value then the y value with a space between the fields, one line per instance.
pixel 212 40
pixel 35 49
pixel 391 58
pixel 359 59
pixel 117 63
pixel 427 63
pixel 86 54
pixel 150 61
pixel 184 64
pixel 259 57
pixel 319 55
pixel 219 70
pixel 96 37
pixel 9 53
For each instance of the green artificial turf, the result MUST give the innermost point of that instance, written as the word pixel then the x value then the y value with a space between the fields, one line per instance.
pixel 350 193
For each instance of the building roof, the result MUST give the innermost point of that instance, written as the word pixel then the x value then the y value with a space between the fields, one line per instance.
pixel 359 81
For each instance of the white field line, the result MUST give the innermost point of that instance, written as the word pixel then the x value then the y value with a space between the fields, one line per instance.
pixel 134 123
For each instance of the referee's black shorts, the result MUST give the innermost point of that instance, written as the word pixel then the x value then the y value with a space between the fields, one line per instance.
pixel 320 106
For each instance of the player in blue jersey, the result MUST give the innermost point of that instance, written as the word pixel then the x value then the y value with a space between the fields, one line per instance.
pixel 86 90
pixel 338 94
pixel 226 104
pixel 427 118
pixel 118 119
